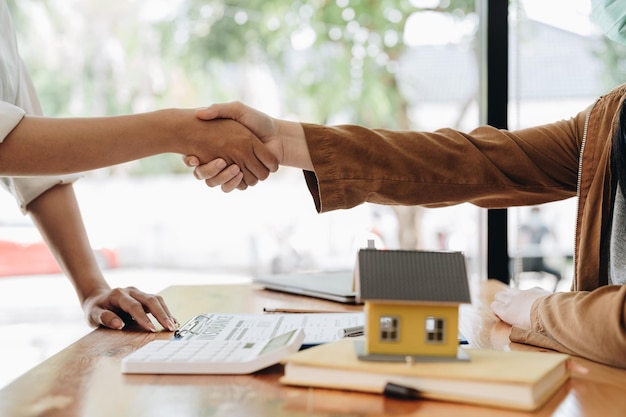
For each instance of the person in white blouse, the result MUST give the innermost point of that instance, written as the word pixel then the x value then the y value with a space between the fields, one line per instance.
pixel 37 153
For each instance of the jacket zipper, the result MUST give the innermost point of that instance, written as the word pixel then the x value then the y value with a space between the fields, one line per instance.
pixel 578 183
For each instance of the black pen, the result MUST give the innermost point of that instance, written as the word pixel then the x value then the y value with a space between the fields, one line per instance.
pixel 402 392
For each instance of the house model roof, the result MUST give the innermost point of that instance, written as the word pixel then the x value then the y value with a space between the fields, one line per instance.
pixel 406 275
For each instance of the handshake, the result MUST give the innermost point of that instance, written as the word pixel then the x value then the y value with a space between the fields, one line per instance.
pixel 260 145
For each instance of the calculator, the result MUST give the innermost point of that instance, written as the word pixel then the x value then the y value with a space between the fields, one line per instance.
pixel 195 356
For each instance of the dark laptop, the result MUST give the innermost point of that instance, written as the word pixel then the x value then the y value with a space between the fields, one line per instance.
pixel 329 285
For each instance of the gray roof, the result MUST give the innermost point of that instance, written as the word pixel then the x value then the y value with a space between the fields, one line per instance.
pixel 406 275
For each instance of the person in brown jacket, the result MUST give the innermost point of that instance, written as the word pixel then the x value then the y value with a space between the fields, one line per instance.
pixel 582 157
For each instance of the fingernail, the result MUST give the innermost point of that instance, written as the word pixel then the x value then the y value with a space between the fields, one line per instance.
pixel 117 324
pixel 234 169
pixel 171 325
pixel 152 328
pixel 221 164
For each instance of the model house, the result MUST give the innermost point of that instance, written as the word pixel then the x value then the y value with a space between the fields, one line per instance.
pixel 411 302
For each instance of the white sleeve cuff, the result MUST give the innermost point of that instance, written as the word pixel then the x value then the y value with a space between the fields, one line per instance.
pixel 10 116
pixel 26 189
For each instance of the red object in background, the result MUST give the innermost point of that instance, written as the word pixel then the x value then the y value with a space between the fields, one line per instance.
pixel 35 258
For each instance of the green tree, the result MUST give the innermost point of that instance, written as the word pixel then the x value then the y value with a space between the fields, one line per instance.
pixel 330 58
pixel 97 58
pixel 614 55
pixel 333 58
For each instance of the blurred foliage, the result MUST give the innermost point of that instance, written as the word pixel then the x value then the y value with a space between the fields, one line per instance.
pixel 328 58
pixel 331 57
pixel 613 54
pixel 324 61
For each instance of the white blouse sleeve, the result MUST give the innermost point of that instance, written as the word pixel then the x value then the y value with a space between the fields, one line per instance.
pixel 25 189
pixel 18 97
pixel 10 116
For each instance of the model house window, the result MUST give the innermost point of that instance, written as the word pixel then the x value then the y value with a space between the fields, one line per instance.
pixel 435 329
pixel 388 328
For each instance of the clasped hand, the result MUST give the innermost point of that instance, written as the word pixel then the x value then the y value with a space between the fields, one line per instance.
pixel 218 172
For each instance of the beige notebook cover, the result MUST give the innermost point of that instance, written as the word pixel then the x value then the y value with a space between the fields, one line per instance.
pixel 522 380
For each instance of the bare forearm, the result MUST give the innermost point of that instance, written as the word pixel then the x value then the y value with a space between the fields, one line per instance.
pixel 42 145
pixel 57 215
pixel 58 218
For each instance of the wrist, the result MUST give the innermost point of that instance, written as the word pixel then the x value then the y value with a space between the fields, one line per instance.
pixel 295 147
pixel 89 286
pixel 174 127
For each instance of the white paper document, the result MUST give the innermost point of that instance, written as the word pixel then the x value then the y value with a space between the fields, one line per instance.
pixel 318 327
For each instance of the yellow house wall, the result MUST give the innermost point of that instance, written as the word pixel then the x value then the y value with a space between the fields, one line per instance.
pixel 412 334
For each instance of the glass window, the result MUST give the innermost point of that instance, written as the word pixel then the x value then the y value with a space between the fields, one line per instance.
pixel 435 330
pixel 389 328
pixel 559 65
pixel 394 64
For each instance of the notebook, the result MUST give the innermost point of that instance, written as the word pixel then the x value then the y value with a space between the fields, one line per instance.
pixel 522 380
pixel 329 285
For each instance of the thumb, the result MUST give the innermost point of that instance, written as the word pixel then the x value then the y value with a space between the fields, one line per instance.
pixel 219 111
pixel 496 308
pixel 191 160
pixel 106 318
pixel 266 156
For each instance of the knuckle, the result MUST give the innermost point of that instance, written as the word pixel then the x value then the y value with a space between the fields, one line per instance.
pixel 210 183
pixel 117 292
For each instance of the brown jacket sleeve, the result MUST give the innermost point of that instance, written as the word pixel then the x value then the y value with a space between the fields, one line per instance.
pixel 595 324
pixel 487 167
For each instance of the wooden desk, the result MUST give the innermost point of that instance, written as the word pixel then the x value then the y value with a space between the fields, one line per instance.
pixel 85 379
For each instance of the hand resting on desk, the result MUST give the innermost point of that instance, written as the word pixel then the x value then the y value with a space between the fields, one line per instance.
pixel 513 305
pixel 110 307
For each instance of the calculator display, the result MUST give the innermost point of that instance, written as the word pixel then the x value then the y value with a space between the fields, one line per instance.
pixel 277 342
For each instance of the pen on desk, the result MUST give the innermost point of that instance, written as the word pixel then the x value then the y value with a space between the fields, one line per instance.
pixel 353 331
pixel 400 391
pixel 298 310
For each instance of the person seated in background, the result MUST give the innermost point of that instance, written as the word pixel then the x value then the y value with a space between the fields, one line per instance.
pixel 32 145
pixel 532 234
